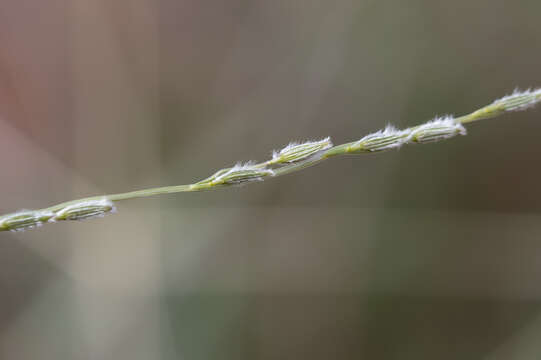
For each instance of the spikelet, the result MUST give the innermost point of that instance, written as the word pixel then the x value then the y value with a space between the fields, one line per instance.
pixel 237 175
pixel 519 100
pixel 242 173
pixel 85 210
pixel 295 152
pixel 440 128
pixel 24 220
pixel 388 138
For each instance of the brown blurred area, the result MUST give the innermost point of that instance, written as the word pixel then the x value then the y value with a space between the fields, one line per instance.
pixel 430 252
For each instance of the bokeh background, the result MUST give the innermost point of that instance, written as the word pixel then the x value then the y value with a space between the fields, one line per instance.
pixel 430 252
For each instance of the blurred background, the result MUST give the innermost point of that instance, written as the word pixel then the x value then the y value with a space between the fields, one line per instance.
pixel 430 252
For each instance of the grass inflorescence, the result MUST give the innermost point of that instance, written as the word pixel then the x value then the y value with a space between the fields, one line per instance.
pixel 293 157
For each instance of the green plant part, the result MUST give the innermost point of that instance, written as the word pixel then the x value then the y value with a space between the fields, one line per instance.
pixel 291 158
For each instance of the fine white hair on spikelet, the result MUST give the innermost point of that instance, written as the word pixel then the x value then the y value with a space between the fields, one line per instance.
pixel 25 220
pixel 440 128
pixel 295 152
pixel 239 174
pixel 519 100
pixel 85 210
pixel 388 138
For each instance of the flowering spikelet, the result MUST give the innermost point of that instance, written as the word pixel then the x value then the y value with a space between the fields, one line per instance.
pixel 296 152
pixel 85 210
pixel 24 220
pixel 519 100
pixel 388 138
pixel 238 174
pixel 440 128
